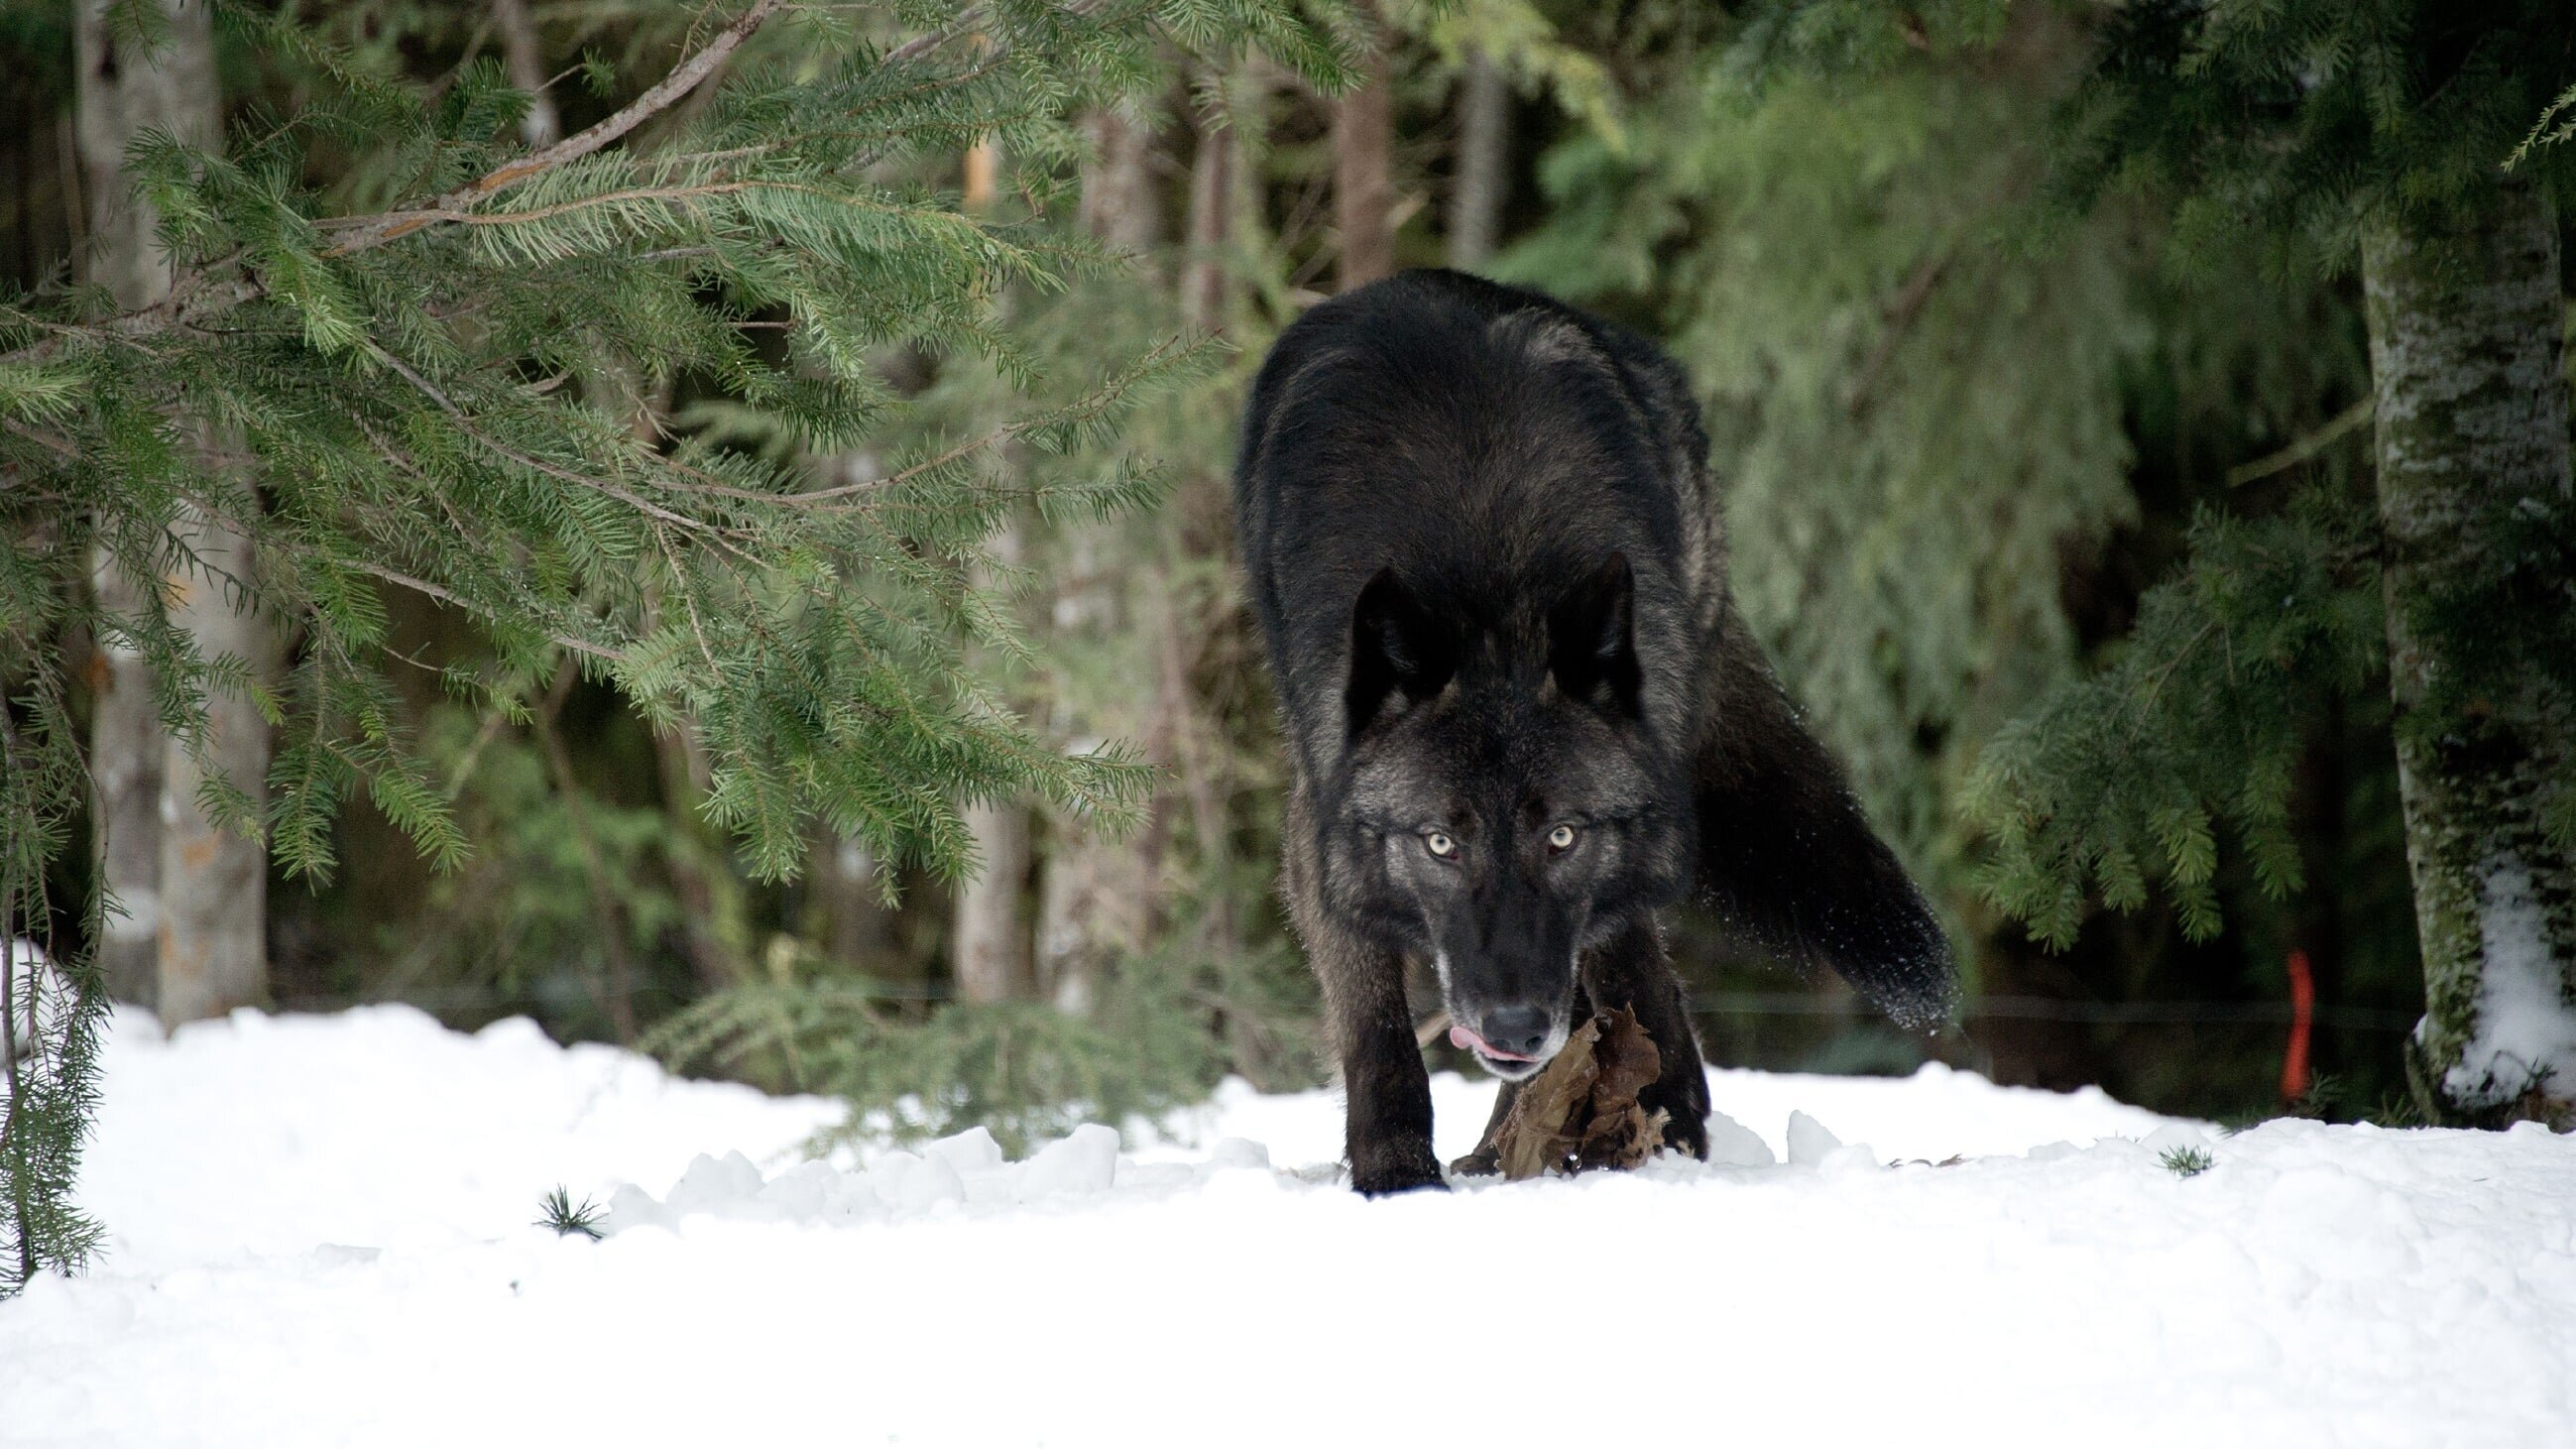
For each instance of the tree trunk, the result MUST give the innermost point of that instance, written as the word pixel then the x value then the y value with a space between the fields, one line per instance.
pixel 524 62
pixel 1484 143
pixel 1120 205
pixel 213 938
pixel 990 949
pixel 126 751
pixel 1363 193
pixel 193 938
pixel 119 95
pixel 2471 410
pixel 990 946
pixel 712 929
pixel 1204 274
pixel 122 93
pixel 991 953
pixel 1090 887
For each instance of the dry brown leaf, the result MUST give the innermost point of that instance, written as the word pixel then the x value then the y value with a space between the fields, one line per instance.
pixel 1581 1111
pixel 1533 1136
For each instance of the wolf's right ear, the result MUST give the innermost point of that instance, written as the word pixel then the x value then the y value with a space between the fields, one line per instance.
pixel 1400 654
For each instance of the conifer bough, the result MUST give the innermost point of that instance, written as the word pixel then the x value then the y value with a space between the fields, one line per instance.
pixel 467 393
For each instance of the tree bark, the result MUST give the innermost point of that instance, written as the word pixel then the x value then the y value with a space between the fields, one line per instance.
pixel 1363 189
pixel 213 936
pixel 1484 143
pixel 192 941
pixel 2471 415
pixel 122 93
pixel 126 751
pixel 990 950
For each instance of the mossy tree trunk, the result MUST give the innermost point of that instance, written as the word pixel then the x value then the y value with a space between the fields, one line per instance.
pixel 2471 402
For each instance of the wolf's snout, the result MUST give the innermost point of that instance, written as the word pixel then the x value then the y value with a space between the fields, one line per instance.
pixel 1517 1030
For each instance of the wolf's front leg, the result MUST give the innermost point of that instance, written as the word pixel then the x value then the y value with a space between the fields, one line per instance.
pixel 1388 1129
pixel 1387 1133
pixel 1631 971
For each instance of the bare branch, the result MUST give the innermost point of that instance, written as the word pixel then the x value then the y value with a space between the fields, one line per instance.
pixel 2302 449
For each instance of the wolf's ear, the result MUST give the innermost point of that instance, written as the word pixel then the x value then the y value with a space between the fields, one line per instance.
pixel 1400 654
pixel 1592 639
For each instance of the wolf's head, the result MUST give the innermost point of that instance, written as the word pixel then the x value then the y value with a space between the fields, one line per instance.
pixel 1505 806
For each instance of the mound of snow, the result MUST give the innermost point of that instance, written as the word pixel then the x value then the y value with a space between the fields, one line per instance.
pixel 321 1236
pixel 262 1135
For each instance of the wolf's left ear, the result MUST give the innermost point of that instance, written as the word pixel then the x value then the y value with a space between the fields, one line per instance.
pixel 1592 640
pixel 1400 654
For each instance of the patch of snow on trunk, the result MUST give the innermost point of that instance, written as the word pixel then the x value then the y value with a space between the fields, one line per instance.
pixel 2526 1029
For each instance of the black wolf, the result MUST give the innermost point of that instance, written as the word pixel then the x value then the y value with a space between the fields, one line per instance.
pixel 1521 710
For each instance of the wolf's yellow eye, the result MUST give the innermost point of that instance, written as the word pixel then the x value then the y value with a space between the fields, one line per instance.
pixel 1561 838
pixel 1439 844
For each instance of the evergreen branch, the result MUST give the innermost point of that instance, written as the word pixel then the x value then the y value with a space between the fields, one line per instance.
pixel 2541 134
pixel 465 425
pixel 682 79
pixel 195 294
pixel 426 589
pixel 195 297
pixel 685 193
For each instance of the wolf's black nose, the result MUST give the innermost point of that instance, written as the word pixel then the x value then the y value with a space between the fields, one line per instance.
pixel 1521 1030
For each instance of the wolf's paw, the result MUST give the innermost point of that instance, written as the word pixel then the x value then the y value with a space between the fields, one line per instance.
pixel 1685 1115
pixel 1485 1161
pixel 1394 1172
pixel 1687 1133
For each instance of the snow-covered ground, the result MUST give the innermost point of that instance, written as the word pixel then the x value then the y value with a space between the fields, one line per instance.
pixel 321 1235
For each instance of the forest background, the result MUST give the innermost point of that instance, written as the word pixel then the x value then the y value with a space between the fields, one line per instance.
pixel 1992 410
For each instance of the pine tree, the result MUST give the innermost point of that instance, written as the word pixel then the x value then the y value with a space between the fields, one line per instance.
pixel 2375 134
pixel 429 373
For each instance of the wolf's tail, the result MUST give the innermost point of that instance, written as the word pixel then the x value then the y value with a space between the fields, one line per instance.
pixel 1790 863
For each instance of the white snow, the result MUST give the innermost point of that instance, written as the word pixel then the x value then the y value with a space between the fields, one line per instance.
pixel 2526 1026
pixel 321 1236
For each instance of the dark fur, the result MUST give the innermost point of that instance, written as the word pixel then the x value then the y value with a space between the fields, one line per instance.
pixel 1484 545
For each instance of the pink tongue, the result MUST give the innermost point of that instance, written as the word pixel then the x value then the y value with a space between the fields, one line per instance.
pixel 1460 1036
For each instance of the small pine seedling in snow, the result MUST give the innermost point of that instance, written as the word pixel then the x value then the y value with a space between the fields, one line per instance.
pixel 558 1211
pixel 2187 1161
